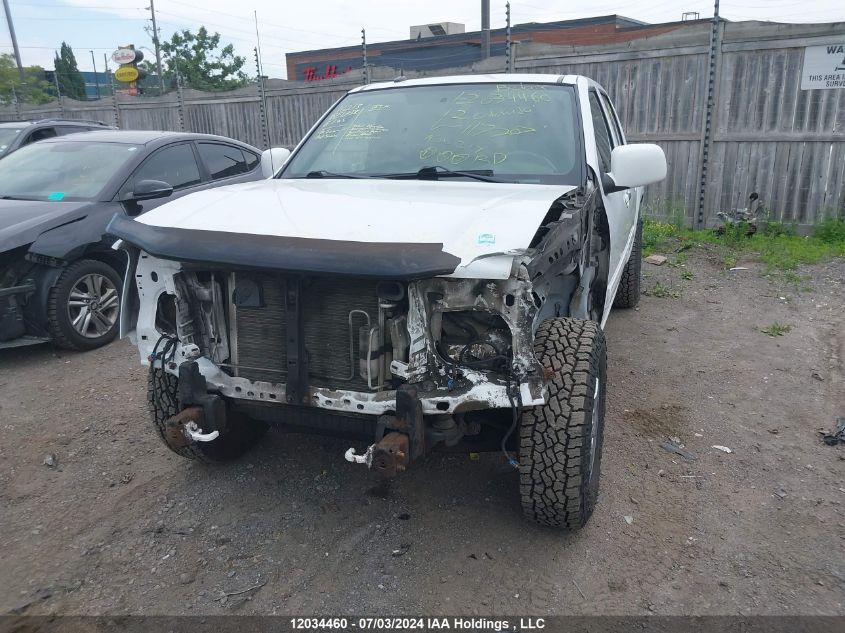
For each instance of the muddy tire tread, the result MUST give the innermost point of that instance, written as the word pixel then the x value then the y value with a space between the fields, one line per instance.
pixel 162 404
pixel 554 438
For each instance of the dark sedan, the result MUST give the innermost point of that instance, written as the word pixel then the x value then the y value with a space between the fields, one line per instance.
pixel 60 279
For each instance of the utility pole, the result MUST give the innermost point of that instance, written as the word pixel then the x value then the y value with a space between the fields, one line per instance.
pixel 485 29
pixel 152 9
pixel 96 77
pixel 14 38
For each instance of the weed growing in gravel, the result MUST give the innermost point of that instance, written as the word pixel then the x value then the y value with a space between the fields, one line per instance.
pixel 687 275
pixel 776 329
pixel 662 291
pixel 776 244
pixel 728 261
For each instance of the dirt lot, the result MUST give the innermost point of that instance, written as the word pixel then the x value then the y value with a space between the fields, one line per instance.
pixel 119 525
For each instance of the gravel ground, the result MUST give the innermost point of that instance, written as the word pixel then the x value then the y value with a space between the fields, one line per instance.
pixel 118 525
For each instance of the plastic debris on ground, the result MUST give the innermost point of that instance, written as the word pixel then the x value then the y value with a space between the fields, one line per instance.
pixel 838 435
pixel 671 447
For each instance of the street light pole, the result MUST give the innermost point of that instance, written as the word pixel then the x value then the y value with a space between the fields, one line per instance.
pixel 152 8
pixel 13 37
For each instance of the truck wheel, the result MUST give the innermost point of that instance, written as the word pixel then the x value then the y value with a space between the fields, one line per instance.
pixel 628 292
pixel 83 309
pixel 242 433
pixel 560 442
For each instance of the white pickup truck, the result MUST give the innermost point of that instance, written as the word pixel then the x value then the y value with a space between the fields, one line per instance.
pixel 432 265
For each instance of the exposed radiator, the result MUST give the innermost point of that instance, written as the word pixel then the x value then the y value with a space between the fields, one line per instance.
pixel 327 304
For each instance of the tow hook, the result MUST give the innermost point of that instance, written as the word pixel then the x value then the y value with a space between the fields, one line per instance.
pixel 184 427
pixel 364 458
pixel 388 457
pixel 197 435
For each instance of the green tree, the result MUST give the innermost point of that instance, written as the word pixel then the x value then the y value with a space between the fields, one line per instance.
pixel 71 82
pixel 196 58
pixel 34 89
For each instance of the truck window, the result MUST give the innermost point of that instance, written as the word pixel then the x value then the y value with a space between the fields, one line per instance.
pixel 614 120
pixel 604 138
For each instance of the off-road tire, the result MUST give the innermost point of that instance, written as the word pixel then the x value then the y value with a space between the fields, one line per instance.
pixel 559 483
pixel 628 292
pixel 59 325
pixel 241 434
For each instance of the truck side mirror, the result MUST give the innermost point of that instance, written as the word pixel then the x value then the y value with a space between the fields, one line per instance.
pixel 634 166
pixel 272 160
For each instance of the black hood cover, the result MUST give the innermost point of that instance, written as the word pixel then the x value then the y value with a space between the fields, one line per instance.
pixel 384 260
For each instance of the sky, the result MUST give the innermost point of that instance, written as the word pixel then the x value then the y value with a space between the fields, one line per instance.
pixel 293 25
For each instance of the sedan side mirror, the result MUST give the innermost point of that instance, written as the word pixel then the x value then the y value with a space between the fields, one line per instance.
pixel 634 166
pixel 272 160
pixel 150 189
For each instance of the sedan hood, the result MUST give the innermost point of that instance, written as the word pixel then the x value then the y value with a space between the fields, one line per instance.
pixel 22 221
pixel 467 220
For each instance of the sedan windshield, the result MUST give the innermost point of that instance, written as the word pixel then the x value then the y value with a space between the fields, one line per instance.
pixel 515 132
pixel 67 170
pixel 7 137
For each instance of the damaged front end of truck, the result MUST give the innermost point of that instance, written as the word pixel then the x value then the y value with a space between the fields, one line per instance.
pixel 406 341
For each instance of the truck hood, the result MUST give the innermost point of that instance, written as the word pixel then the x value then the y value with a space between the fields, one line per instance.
pixel 22 221
pixel 468 221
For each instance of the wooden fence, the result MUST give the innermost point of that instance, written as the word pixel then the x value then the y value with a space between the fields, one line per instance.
pixel 758 131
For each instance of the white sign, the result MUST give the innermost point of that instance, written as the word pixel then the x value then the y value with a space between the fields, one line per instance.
pixel 824 67
pixel 123 56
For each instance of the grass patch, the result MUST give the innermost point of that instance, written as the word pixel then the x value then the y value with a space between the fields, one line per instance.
pixel 776 245
pixel 662 291
pixel 776 329
pixel 687 275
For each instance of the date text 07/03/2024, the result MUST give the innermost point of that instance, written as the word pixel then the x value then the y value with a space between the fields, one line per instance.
pixel 417 623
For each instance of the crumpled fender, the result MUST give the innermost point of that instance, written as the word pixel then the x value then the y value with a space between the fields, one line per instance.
pixel 68 241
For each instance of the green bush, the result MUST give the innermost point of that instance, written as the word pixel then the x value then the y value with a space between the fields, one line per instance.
pixel 831 231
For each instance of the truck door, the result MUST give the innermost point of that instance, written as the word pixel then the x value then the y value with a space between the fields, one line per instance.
pixel 621 213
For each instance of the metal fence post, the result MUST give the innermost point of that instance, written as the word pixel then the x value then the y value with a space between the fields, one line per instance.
pixel 508 58
pixel 364 54
pixel 713 58
pixel 115 105
pixel 181 101
pixel 17 104
pixel 262 108
pixel 262 102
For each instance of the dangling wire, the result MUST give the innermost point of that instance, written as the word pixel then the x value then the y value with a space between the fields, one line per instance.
pixel 169 349
pixel 516 408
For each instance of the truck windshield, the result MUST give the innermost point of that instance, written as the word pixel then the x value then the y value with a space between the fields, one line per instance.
pixel 509 132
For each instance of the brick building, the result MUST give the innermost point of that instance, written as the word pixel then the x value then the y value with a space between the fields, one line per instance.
pixel 459 49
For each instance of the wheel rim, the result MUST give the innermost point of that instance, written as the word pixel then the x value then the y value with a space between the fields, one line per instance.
pixel 93 305
pixel 594 430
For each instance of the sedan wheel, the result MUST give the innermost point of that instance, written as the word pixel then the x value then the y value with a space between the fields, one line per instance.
pixel 93 305
pixel 84 309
